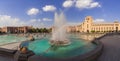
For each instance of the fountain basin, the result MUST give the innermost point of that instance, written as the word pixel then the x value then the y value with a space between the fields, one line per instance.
pixel 59 43
pixel 90 55
pixel 7 39
pixel 76 48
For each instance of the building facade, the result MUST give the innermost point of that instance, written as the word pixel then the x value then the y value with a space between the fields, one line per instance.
pixel 22 29
pixel 71 28
pixel 90 26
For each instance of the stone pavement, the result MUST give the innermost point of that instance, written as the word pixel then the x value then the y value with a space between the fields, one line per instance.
pixel 5 58
pixel 111 50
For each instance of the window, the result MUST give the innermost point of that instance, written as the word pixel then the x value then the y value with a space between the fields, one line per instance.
pixel 87 19
pixel 109 28
pixel 112 27
pixel 87 26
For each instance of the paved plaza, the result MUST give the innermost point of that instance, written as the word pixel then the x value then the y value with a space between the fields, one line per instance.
pixel 111 51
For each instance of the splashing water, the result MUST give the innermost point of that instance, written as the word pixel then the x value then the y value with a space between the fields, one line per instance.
pixel 59 30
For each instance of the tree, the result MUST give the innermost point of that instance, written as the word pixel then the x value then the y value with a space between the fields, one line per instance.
pixel 39 30
pixel 93 31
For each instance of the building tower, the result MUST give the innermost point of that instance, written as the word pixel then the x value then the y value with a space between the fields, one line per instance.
pixel 88 24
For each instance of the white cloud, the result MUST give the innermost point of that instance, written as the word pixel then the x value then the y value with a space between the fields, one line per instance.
pixel 6 20
pixel 99 20
pixel 95 4
pixel 33 11
pixel 47 19
pixel 33 20
pixel 81 4
pixel 49 8
pixel 36 23
pixel 68 3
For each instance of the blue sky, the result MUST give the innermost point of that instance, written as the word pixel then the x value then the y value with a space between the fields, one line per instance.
pixel 40 13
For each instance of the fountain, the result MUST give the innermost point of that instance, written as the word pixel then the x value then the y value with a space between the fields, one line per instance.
pixel 61 46
pixel 59 37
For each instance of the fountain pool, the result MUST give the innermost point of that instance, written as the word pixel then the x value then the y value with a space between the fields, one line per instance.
pixel 6 39
pixel 77 47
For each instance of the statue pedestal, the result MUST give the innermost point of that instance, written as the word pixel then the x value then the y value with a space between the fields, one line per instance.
pixel 19 56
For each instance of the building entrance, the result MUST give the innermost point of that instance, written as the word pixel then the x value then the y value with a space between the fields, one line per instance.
pixel 116 29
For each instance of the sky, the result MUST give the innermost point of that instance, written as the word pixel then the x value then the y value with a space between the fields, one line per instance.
pixel 40 13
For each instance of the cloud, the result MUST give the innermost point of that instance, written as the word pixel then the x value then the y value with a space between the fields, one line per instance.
pixel 49 8
pixel 68 3
pixel 6 20
pixel 95 4
pixel 35 20
pixel 47 19
pixel 81 4
pixel 38 23
pixel 99 20
pixel 33 11
pixel 35 23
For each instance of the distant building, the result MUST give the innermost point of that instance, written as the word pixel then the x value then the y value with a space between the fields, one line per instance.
pixel 0 30
pixel 89 26
pixel 71 28
pixel 22 29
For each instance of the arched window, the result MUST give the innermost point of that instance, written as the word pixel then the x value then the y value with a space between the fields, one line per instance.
pixel 87 18
pixel 87 26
